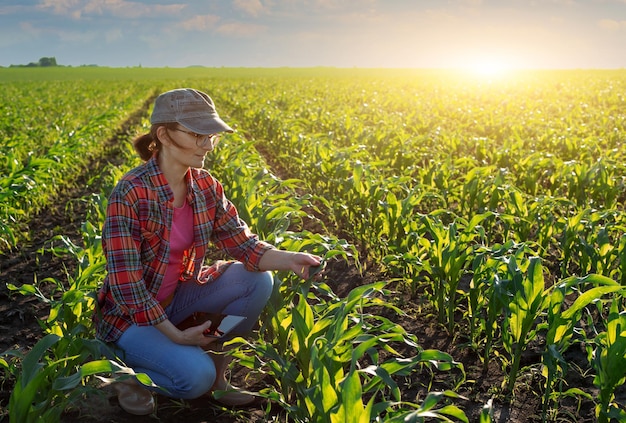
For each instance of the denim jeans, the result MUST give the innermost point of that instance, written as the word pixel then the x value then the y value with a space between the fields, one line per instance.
pixel 186 371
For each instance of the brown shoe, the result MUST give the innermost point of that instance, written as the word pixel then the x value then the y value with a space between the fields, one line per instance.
pixel 134 398
pixel 233 397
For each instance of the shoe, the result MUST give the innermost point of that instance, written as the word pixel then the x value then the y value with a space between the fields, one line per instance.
pixel 232 397
pixel 133 398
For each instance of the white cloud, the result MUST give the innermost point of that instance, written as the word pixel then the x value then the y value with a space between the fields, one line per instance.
pixel 200 23
pixel 612 25
pixel 60 7
pixel 119 8
pixel 250 7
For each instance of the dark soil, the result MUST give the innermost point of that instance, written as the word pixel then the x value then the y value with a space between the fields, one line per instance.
pixel 20 318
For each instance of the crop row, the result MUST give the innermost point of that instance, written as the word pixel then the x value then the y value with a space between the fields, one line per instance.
pixel 51 133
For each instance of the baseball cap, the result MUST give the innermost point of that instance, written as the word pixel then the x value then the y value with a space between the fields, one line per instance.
pixel 191 108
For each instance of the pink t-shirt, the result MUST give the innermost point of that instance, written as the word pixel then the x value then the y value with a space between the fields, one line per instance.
pixel 181 239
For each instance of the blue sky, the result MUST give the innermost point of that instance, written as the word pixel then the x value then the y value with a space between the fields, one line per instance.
pixel 344 33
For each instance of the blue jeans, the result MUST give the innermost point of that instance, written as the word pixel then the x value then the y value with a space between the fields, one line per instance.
pixel 186 371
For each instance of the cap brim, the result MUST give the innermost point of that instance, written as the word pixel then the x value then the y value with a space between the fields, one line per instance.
pixel 206 126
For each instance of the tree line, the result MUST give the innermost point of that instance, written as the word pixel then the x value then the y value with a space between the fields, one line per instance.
pixel 43 62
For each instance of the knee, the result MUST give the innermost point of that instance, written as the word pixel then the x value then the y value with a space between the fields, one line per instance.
pixel 266 282
pixel 197 380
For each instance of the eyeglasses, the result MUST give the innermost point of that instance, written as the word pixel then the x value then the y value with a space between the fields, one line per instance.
pixel 203 141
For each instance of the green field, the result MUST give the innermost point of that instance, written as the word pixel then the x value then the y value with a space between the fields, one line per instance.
pixel 492 208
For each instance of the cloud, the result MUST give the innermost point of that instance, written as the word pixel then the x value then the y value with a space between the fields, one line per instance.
pixel 612 25
pixel 61 7
pixel 77 37
pixel 200 23
pixel 122 9
pixel 11 9
pixel 250 7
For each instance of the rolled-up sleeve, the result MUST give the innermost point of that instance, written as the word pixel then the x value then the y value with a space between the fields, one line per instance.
pixel 232 234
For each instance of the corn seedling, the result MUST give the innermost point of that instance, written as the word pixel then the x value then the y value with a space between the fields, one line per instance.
pixel 609 362
pixel 561 323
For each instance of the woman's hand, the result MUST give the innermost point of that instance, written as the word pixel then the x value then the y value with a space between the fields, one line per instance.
pixel 299 263
pixel 193 335
pixel 304 264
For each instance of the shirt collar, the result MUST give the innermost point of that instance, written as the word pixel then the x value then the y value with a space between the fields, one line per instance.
pixel 160 183
pixel 157 178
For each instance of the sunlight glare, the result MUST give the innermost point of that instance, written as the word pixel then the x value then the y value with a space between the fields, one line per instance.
pixel 488 67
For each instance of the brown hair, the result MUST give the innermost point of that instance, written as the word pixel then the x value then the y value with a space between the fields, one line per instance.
pixel 149 144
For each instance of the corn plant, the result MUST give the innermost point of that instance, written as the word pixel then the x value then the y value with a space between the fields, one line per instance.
pixel 561 323
pixel 489 293
pixel 450 252
pixel 590 243
pixel 609 362
pixel 427 411
pixel 528 301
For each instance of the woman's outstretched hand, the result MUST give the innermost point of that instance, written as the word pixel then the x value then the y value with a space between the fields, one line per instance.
pixel 299 263
pixel 307 266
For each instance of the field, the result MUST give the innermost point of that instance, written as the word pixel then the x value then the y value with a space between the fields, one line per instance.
pixel 474 231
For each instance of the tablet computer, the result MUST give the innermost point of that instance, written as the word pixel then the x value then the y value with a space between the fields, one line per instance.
pixel 222 324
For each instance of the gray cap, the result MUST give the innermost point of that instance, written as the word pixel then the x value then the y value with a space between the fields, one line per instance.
pixel 191 108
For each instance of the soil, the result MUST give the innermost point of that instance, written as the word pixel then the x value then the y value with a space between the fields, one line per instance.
pixel 20 318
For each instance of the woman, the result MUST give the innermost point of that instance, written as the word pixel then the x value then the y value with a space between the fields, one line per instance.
pixel 161 218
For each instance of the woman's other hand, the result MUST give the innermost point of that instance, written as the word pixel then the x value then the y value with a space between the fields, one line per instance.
pixel 193 335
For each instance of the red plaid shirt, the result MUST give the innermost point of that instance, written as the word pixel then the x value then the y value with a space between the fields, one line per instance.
pixel 136 236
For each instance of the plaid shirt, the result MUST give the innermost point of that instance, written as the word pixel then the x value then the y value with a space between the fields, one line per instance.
pixel 135 238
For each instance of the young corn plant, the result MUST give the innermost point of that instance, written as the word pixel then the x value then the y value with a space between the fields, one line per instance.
pixel 561 324
pixel 489 293
pixel 609 362
pixel 450 252
pixel 527 303
pixel 591 243
pixel 426 411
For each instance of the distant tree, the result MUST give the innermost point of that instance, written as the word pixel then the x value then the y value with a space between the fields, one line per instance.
pixel 47 61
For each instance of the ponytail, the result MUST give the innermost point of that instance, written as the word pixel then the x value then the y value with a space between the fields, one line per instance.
pixel 148 144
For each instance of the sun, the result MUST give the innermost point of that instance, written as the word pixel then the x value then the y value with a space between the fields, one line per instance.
pixel 488 64
pixel 489 67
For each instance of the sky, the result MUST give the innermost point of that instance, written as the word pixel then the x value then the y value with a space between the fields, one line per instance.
pixel 537 34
